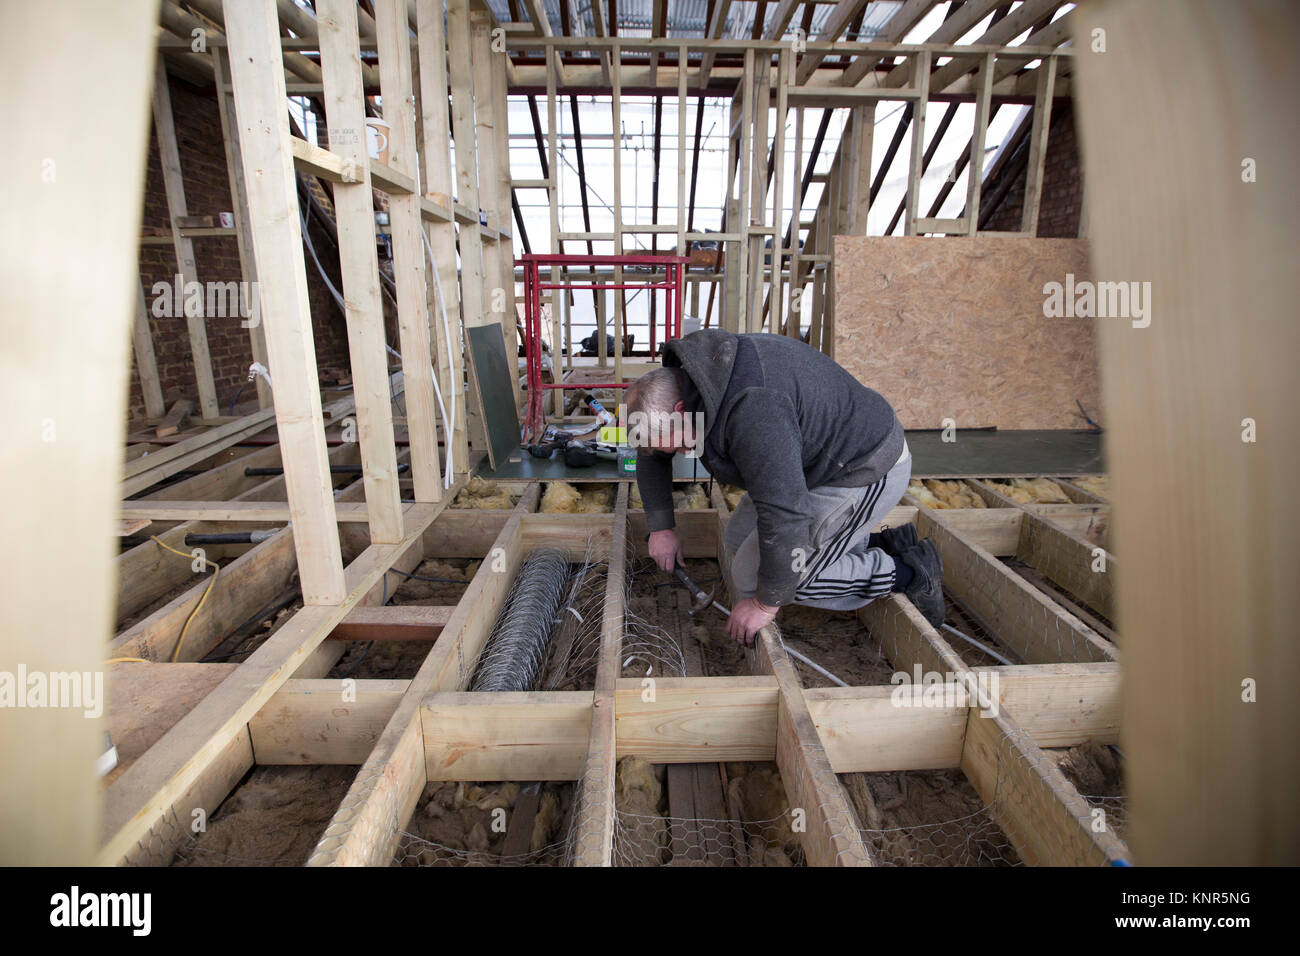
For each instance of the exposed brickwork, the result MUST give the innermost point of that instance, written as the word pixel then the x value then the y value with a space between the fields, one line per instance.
pixel 1062 199
pixel 207 193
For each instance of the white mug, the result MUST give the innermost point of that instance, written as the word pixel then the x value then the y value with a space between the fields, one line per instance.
pixel 377 139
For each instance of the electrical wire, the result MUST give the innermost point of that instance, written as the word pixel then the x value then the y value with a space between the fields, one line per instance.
pixel 180 641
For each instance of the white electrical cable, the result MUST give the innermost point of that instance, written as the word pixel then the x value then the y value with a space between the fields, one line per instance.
pixel 448 422
pixel 442 408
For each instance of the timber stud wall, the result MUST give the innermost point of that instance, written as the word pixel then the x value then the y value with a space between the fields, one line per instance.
pixel 207 190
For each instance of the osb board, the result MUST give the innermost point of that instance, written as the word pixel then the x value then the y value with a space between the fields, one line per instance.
pixel 954 328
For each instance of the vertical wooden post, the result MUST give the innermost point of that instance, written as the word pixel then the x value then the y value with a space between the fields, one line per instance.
pixel 793 323
pixel 775 296
pixel 975 168
pixel 920 83
pixel 257 75
pixel 559 300
pixel 505 227
pixel 1046 76
pixel 620 314
pixel 174 185
pixel 146 366
pixel 68 248
pixel 462 115
pixel 239 209
pixel 394 41
pixel 437 184
pixel 746 170
pixel 1202 410
pixel 359 268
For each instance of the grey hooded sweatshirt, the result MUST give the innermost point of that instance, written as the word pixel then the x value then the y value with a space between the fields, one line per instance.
pixel 780 417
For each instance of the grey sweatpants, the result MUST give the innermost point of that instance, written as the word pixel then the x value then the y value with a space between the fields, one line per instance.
pixel 843 574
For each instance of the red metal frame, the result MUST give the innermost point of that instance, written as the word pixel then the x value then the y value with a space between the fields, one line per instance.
pixel 534 288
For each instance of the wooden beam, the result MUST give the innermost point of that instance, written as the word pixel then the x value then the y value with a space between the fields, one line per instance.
pixel 436 177
pixel 394 37
pixel 146 366
pixel 81 75
pixel 258 80
pixel 1207 606
pixel 359 270
pixel 174 186
pixel 594 808
pixel 1046 77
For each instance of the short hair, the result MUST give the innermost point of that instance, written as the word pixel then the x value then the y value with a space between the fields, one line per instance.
pixel 654 395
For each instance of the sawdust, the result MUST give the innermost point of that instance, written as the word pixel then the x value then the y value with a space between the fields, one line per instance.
pixel 479 493
pixel 837 641
pixel 274 818
pixel 926 817
pixel 1094 769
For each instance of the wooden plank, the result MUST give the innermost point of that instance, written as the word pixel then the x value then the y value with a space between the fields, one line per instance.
pixel 921 81
pixel 174 186
pixel 395 622
pixel 258 79
pixel 408 250
pixel 253 511
pixel 174 419
pixel 697 720
pixel 359 269
pixel 1037 629
pixel 1046 78
pixel 864 729
pixel 1042 814
pixel 593 826
pixel 146 365
pixel 321 722
pixel 80 74
pixel 436 177
pixel 1205 520
pixel 239 202
pixel 533 735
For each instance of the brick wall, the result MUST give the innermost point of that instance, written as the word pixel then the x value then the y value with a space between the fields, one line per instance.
pixel 1062 198
pixel 207 193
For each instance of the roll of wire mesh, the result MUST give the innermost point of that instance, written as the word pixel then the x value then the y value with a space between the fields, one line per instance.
pixel 518 644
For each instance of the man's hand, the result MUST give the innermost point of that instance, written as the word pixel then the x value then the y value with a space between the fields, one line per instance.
pixel 666 549
pixel 748 617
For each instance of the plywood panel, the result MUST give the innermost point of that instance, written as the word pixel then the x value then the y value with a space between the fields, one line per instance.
pixel 954 328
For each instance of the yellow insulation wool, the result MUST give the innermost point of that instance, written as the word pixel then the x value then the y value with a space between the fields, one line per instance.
pixel 1097 484
pixel 478 493
pixel 560 497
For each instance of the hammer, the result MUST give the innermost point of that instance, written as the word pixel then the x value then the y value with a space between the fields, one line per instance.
pixel 701 600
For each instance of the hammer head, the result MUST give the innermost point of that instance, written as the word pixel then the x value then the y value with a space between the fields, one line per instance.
pixel 700 600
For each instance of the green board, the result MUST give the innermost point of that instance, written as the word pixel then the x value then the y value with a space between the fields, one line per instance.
pixel 492 380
